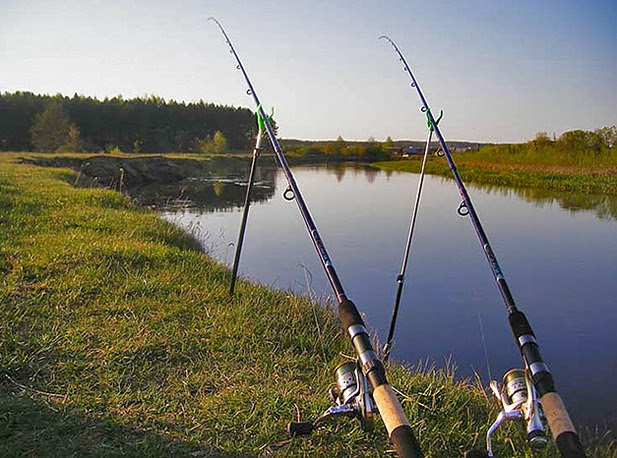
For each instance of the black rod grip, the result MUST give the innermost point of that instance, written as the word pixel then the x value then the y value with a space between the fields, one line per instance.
pixel 349 314
pixel 405 442
pixel 526 341
pixel 569 445
pixel 519 324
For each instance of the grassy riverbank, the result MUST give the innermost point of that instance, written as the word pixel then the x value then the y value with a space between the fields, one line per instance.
pixel 117 337
pixel 526 166
pixel 518 176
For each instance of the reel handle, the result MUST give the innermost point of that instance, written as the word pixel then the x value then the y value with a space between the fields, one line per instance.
pixel 300 428
pixel 563 430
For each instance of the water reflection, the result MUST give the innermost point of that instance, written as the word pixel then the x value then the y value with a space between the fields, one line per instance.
pixel 226 190
pixel 604 206
pixel 217 193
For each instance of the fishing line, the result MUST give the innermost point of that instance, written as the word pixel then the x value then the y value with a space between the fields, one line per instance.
pixel 488 366
pixel 308 277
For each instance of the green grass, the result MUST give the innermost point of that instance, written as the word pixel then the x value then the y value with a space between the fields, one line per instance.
pixel 497 169
pixel 117 337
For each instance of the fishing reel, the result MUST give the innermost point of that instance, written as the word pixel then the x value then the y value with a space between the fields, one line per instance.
pixel 519 400
pixel 351 396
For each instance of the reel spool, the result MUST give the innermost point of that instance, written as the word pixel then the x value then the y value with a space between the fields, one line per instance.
pixel 351 397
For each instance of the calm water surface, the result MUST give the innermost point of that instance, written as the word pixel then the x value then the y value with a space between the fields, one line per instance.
pixel 560 264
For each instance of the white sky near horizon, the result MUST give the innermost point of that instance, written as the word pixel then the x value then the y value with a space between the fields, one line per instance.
pixel 501 71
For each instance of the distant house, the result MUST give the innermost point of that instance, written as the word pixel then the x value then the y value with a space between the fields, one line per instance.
pixel 405 151
pixel 465 149
pixel 412 150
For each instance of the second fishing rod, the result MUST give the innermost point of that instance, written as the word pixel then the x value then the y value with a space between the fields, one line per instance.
pixel 390 409
pixel 561 425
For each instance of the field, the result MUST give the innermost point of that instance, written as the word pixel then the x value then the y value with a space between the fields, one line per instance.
pixel 118 337
pixel 557 178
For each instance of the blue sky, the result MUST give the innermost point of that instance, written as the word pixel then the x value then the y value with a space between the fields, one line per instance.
pixel 500 70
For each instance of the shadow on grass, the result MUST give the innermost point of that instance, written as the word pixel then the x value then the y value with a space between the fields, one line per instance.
pixel 30 426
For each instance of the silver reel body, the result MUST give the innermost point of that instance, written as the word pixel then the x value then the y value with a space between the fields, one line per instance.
pixel 352 398
pixel 519 401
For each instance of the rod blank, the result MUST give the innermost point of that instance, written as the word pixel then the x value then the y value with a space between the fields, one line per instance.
pixel 400 279
pixel 401 434
pixel 566 437
pixel 245 212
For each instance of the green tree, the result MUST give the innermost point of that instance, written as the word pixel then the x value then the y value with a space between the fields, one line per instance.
pixel 576 141
pixel 161 126
pixel 73 142
pixel 219 142
pixel 541 142
pixel 389 143
pixel 608 135
pixel 375 152
pixel 339 145
pixel 216 144
pixel 50 130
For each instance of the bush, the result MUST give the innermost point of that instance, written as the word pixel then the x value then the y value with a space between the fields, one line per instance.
pixel 50 130
pixel 217 144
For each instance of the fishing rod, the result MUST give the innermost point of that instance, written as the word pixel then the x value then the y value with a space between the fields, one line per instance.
pixel 559 421
pixel 247 204
pixel 400 279
pixel 372 369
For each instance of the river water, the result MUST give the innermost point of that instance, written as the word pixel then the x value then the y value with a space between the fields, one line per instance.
pixel 558 252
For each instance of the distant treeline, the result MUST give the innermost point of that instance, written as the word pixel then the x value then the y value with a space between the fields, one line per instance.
pixel 369 150
pixel 577 148
pixel 338 150
pixel 292 144
pixel 148 124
